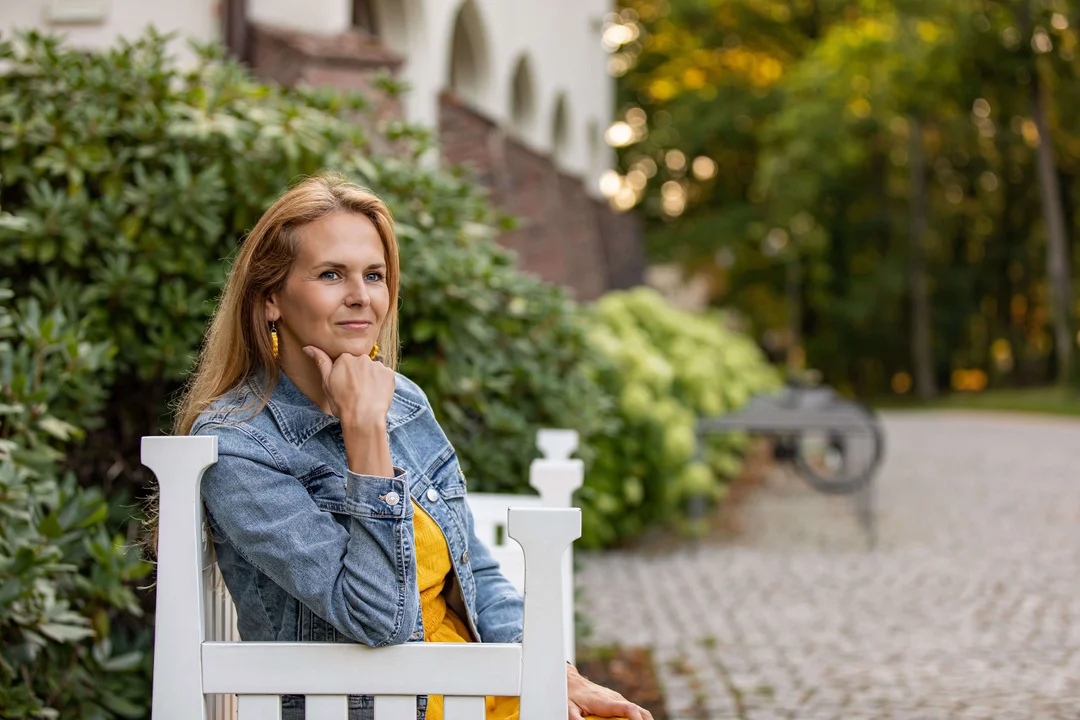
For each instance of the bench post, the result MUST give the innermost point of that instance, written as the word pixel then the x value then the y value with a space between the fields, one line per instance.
pixel 179 463
pixel 544 535
pixel 557 477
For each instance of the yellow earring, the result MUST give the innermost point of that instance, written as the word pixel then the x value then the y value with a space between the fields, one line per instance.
pixel 374 352
pixel 273 338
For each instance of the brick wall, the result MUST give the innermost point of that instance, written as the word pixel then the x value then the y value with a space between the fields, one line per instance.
pixel 565 236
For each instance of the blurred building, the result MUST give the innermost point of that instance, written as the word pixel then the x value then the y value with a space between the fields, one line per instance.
pixel 517 88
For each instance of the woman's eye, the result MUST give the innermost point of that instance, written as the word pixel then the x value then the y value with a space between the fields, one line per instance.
pixel 329 275
pixel 374 276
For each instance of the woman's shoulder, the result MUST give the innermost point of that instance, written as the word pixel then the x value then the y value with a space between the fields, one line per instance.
pixel 409 390
pixel 238 406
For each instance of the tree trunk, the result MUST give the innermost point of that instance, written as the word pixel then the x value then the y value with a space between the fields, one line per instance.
pixel 922 352
pixel 1058 271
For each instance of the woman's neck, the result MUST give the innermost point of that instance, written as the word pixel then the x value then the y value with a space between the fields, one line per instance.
pixel 305 375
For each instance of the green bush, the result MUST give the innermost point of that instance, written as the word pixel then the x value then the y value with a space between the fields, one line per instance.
pixel 666 368
pixel 65 573
pixel 134 179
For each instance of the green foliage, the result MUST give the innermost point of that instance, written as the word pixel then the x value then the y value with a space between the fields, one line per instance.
pixel 807 109
pixel 65 573
pixel 132 180
pixel 666 368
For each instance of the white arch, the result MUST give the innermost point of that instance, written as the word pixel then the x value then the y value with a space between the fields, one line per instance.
pixel 523 105
pixel 469 73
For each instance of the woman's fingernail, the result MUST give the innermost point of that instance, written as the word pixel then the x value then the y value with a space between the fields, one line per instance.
pixel 309 352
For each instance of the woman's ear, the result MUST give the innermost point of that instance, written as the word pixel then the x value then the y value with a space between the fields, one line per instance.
pixel 272 312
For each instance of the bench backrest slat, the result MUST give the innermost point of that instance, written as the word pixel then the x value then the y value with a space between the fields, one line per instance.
pixel 259 707
pixel 464 708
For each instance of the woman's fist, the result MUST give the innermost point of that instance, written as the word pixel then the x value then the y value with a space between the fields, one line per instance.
pixel 358 389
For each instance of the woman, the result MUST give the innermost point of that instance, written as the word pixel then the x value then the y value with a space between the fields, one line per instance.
pixel 337 505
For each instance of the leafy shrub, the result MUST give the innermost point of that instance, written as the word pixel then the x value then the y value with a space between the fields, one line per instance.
pixel 65 575
pixel 133 180
pixel 666 368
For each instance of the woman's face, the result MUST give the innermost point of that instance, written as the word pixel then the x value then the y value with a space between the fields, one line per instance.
pixel 335 297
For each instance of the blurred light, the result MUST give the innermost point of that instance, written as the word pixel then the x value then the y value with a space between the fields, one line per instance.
pixel 704 168
pixel 1010 37
pixel 744 123
pixel 636 179
pixel 674 206
pixel 647 165
pixel 1001 351
pixel 1041 42
pixel 775 241
pixel 636 116
pixel 610 183
pixel 1030 132
pixel 620 134
pixel 628 15
pixel 987 128
pixel 672 189
pixel 724 257
pixel 968 380
pixel 981 108
pixel 899 156
pixel 989 181
pixel 1059 21
pixel 675 160
pixel 618 65
pixel 954 193
pixel 981 23
pixel 616 35
pixel 901 383
pixel 625 199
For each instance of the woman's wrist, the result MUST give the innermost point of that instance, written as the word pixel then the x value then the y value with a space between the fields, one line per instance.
pixel 367 448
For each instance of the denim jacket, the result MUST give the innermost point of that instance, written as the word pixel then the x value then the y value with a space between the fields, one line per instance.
pixel 311 551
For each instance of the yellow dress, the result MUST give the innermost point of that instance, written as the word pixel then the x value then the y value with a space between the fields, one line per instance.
pixel 441 623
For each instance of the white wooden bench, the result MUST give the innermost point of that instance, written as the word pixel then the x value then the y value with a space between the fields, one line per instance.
pixel 203 671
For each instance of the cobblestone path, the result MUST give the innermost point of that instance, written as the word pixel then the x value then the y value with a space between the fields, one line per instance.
pixel 969 607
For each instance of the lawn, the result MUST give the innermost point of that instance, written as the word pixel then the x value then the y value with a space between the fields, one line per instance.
pixel 1045 400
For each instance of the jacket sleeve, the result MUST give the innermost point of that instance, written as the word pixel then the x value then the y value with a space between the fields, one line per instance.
pixel 500 608
pixel 360 577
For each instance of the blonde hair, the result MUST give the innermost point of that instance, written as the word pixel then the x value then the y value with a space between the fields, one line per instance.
pixel 237 345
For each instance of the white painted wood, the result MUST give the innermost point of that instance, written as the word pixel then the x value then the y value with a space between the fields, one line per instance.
pixel 326 707
pixel 197 677
pixel 464 708
pixel 258 668
pixel 259 707
pixel 179 463
pixel 395 707
pixel 544 536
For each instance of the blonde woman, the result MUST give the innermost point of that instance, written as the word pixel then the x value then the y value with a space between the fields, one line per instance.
pixel 337 505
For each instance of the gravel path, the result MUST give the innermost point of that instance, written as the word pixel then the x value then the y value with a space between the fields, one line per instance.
pixel 969 607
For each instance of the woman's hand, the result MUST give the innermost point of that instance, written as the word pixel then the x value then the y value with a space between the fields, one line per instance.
pixel 586 698
pixel 359 392
pixel 358 389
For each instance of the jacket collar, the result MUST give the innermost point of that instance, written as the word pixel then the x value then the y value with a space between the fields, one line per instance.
pixel 300 419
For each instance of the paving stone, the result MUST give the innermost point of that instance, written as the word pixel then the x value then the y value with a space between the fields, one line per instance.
pixel 967 608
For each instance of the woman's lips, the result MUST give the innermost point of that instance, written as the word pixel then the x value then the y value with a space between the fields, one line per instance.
pixel 359 325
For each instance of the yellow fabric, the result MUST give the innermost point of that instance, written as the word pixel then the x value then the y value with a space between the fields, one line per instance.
pixel 441 623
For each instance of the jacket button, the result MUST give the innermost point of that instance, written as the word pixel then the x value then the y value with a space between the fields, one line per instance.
pixel 392 498
pixel 465 556
pixel 432 494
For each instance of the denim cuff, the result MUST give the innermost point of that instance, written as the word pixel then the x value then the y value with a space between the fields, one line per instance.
pixel 377 496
